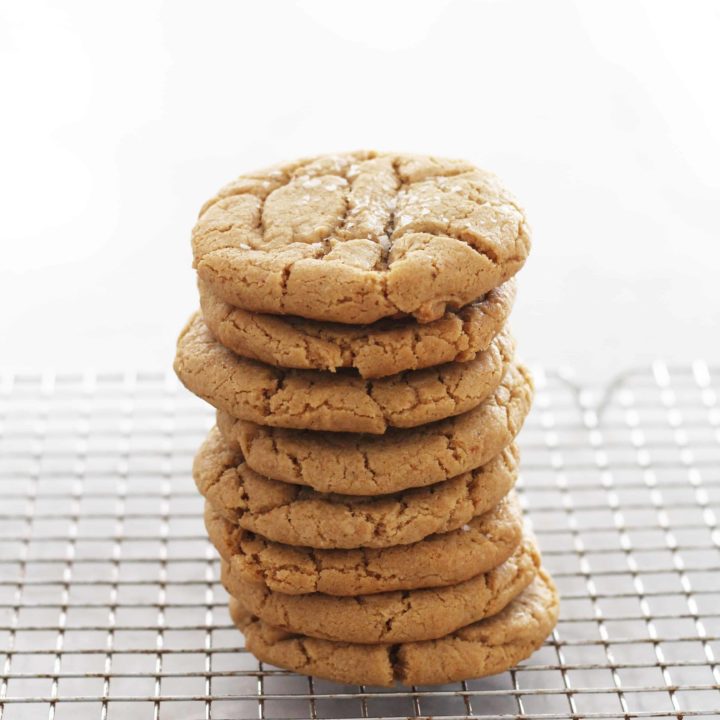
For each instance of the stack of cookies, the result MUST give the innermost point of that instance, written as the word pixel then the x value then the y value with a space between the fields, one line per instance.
pixel 359 480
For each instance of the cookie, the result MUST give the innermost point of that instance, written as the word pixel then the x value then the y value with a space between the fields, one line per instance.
pixel 443 559
pixel 357 237
pixel 399 459
pixel 398 616
pixel 297 515
pixel 337 402
pixel 384 348
pixel 483 648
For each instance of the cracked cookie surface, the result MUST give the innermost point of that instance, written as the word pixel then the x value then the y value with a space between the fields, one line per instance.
pixel 337 402
pixel 483 648
pixel 442 559
pixel 369 465
pixel 356 237
pixel 400 616
pixel 297 515
pixel 377 350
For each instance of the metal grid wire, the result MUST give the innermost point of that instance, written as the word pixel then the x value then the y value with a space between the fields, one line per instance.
pixel 110 605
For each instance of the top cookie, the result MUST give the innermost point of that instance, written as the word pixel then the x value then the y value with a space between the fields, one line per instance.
pixel 357 237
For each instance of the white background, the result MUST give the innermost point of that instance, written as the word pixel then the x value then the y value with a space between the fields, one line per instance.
pixel 119 119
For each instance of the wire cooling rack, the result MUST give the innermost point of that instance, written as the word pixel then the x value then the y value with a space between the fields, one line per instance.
pixel 110 605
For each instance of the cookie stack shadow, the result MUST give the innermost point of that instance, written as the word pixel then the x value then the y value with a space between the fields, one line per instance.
pixel 359 480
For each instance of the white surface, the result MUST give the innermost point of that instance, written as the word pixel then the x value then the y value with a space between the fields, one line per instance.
pixel 119 120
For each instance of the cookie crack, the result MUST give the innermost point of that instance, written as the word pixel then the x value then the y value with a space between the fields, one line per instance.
pixel 391 223
pixel 366 464
pixel 406 607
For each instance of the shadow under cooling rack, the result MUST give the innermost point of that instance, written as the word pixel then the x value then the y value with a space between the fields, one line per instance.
pixel 110 604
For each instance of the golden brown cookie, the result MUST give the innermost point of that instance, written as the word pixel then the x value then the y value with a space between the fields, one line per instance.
pixel 384 348
pixel 357 237
pixel 338 402
pixel 484 648
pixel 399 616
pixel 444 559
pixel 399 459
pixel 297 515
